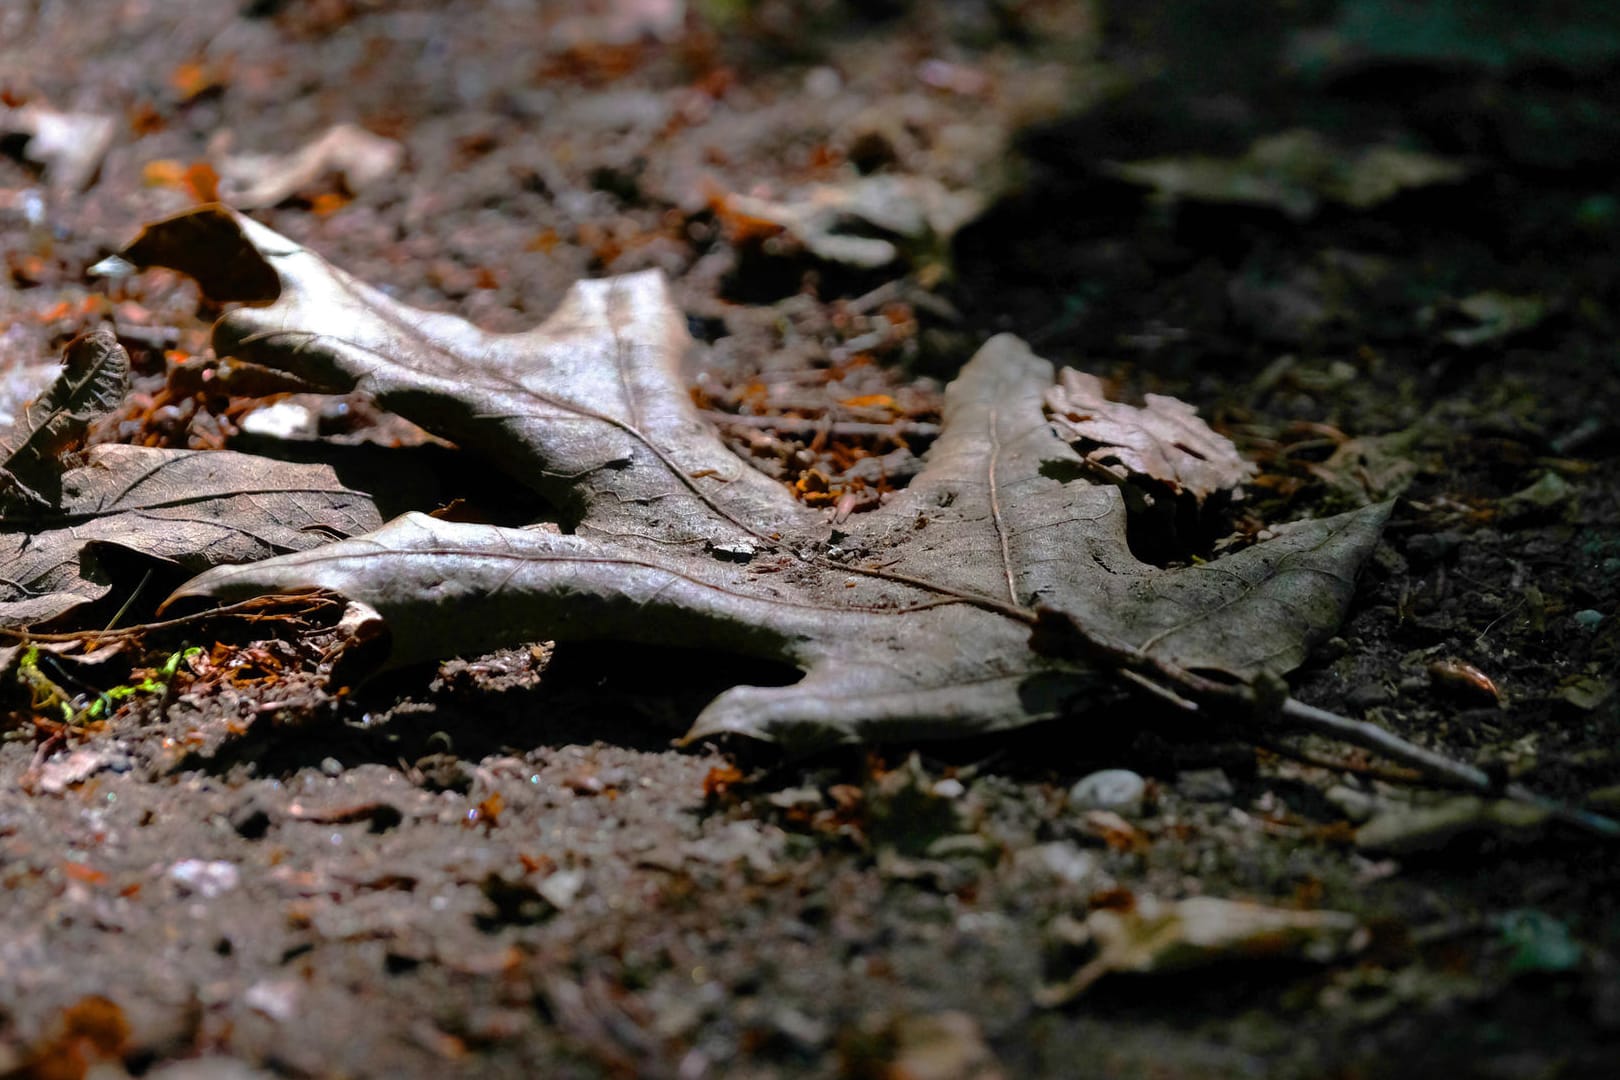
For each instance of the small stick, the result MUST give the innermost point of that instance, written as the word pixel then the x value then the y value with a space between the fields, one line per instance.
pixel 252 609
pixel 1244 706
pixel 1303 717
pixel 798 425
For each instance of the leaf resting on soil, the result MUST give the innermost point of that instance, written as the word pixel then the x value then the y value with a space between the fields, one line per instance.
pixel 1156 936
pixel 912 621
pixel 194 509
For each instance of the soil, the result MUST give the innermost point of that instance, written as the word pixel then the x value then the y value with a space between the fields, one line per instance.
pixel 502 867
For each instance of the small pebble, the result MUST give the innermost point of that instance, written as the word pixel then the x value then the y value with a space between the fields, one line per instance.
pixel 965 846
pixel 1119 790
pixel 205 879
pixel 283 420
pixel 1065 860
pixel 331 766
pixel 561 888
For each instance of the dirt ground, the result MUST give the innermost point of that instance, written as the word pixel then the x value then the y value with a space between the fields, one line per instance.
pixel 501 866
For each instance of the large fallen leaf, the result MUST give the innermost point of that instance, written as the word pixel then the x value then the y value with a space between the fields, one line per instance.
pixel 914 620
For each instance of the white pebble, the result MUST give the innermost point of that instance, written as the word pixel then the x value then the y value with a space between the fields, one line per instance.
pixel 1119 790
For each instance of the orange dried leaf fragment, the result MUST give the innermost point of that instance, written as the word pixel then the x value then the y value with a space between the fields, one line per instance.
pixel 871 401
pixel 718 781
pixel 192 79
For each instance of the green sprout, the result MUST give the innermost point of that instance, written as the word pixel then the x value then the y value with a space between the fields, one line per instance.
pixel 48 696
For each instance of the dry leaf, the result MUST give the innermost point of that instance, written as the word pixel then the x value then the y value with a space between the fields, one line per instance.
pixel 194 509
pixel 93 381
pixel 1155 936
pixel 250 181
pixel 1294 172
pixel 189 508
pixel 1163 441
pixel 69 145
pixel 914 620
pixel 835 221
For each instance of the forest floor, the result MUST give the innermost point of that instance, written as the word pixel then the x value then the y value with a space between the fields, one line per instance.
pixel 1376 249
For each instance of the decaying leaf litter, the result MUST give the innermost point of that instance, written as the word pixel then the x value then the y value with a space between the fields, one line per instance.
pixel 928 863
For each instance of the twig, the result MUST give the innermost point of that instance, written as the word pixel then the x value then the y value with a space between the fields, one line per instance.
pixel 253 609
pixel 1302 717
pixel 1389 775
pixel 1260 707
pixel 798 425
pixel 124 609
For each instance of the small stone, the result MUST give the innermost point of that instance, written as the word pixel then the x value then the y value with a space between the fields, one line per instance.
pixel 1119 790
pixel 797 798
pixel 940 1046
pixel 1204 785
pixel 561 888
pixel 205 879
pixel 799 1028
pixel 283 420
pixel 331 766
pixel 584 780
pixel 444 772
pixel 63 771
pixel 275 998
pixel 1064 860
